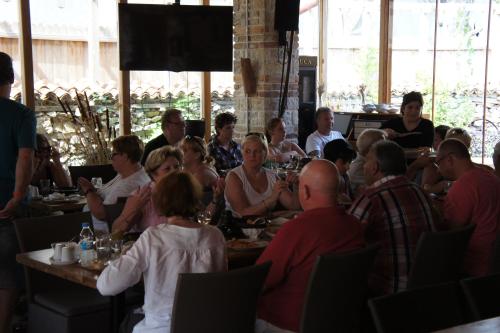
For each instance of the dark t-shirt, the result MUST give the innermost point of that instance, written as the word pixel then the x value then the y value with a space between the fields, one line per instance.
pixel 156 143
pixel 423 138
pixel 17 130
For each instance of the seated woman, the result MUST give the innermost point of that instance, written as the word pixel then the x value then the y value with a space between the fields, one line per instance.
pixel 162 252
pixel 47 164
pixel 411 130
pixel 253 190
pixel 139 212
pixel 280 150
pixel 364 142
pixel 125 158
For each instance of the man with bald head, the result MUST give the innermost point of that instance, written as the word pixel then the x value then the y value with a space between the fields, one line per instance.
pixel 394 212
pixel 473 198
pixel 322 228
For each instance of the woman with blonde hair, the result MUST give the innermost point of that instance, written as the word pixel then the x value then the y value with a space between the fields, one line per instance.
pixel 280 150
pixel 252 189
pixel 139 212
pixel 162 252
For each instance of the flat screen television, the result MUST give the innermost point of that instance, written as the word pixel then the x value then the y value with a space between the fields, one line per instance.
pixel 175 37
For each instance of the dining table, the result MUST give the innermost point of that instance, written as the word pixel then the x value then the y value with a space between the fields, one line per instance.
pixel 47 207
pixel 483 326
pixel 40 261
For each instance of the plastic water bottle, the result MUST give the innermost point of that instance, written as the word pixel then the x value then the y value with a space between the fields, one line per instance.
pixel 87 252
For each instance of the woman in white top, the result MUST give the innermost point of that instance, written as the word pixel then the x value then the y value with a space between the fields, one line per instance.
pixel 125 157
pixel 280 150
pixel 253 190
pixel 164 251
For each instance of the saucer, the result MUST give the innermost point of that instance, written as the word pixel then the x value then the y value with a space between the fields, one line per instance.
pixel 62 263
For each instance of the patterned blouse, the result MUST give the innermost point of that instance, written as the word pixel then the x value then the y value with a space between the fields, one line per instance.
pixel 225 159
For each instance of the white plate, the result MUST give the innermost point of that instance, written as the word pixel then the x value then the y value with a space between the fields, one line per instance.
pixel 279 221
pixel 62 263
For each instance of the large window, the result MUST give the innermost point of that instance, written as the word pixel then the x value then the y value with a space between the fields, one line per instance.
pixel 353 51
pixel 9 42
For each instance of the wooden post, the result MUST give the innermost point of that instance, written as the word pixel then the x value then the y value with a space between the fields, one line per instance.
pixel 206 96
pixel 323 50
pixel 385 52
pixel 26 55
pixel 124 95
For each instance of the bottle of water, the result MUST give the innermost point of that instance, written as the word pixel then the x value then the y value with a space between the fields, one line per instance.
pixel 87 252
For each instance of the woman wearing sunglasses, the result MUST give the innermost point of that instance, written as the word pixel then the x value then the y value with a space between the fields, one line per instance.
pixel 47 164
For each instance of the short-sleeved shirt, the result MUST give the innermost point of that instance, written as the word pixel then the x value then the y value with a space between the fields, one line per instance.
pixel 317 141
pixel 224 159
pixel 17 130
pixel 423 137
pixel 293 252
pixel 158 142
pixel 475 198
pixel 394 212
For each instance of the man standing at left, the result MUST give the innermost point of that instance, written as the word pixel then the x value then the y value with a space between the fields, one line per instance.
pixel 17 144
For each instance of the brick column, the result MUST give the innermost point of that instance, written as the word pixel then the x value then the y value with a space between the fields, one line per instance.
pixel 266 56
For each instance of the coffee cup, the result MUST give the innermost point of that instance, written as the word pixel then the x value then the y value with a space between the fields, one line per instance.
pixel 57 247
pixel 68 253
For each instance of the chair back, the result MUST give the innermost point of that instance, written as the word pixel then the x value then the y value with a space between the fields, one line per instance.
pixel 495 257
pixel 337 290
pixel 418 310
pixel 482 294
pixel 38 233
pixel 112 212
pixel 439 257
pixel 218 302
pixel 105 171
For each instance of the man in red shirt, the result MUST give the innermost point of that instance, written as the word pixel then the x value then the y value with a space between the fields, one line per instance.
pixel 322 228
pixel 473 198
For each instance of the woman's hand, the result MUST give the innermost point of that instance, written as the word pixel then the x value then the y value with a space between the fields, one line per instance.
pixel 137 201
pixel 218 188
pixel 391 134
pixel 279 187
pixel 292 177
pixel 85 185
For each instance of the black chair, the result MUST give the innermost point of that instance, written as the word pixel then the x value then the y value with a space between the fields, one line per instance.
pixel 419 310
pixel 105 171
pixel 336 292
pixel 495 257
pixel 483 296
pixel 56 305
pixel 218 302
pixel 112 212
pixel 439 257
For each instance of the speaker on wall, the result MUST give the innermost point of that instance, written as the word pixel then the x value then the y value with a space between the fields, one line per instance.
pixel 249 82
pixel 286 15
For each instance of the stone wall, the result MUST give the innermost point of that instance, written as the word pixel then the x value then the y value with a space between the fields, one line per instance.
pixel 265 54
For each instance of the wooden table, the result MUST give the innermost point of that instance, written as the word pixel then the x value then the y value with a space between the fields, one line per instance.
pixel 484 326
pixel 41 207
pixel 40 261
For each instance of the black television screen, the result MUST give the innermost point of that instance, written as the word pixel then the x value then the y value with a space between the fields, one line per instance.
pixel 175 37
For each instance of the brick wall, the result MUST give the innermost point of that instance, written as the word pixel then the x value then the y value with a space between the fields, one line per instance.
pixel 266 56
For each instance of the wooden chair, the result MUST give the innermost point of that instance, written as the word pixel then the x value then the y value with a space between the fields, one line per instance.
pixel 105 171
pixel 482 294
pixel 218 302
pixel 337 291
pixel 439 257
pixel 419 310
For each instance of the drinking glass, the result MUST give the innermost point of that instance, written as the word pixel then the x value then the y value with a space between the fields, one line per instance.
pixel 205 217
pixel 103 248
pixel 97 182
pixel 44 186
pixel 116 248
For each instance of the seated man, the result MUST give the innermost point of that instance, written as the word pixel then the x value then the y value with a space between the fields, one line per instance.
pixel 324 134
pixel 394 212
pixel 473 198
pixel 173 129
pixel 322 228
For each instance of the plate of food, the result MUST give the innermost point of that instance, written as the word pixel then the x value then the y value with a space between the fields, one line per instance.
pixel 246 244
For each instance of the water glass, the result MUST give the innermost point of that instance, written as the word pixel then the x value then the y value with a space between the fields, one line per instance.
pixel 97 182
pixel 205 217
pixel 103 248
pixel 116 248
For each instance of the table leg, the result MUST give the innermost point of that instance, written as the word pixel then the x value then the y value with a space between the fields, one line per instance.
pixel 117 311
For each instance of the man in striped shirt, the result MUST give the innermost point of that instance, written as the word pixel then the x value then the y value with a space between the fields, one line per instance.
pixel 393 212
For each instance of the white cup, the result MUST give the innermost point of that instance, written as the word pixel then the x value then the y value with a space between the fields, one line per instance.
pixel 252 233
pixel 68 253
pixel 97 182
pixel 57 247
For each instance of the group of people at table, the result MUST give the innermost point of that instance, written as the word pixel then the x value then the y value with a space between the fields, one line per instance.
pixel 390 204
